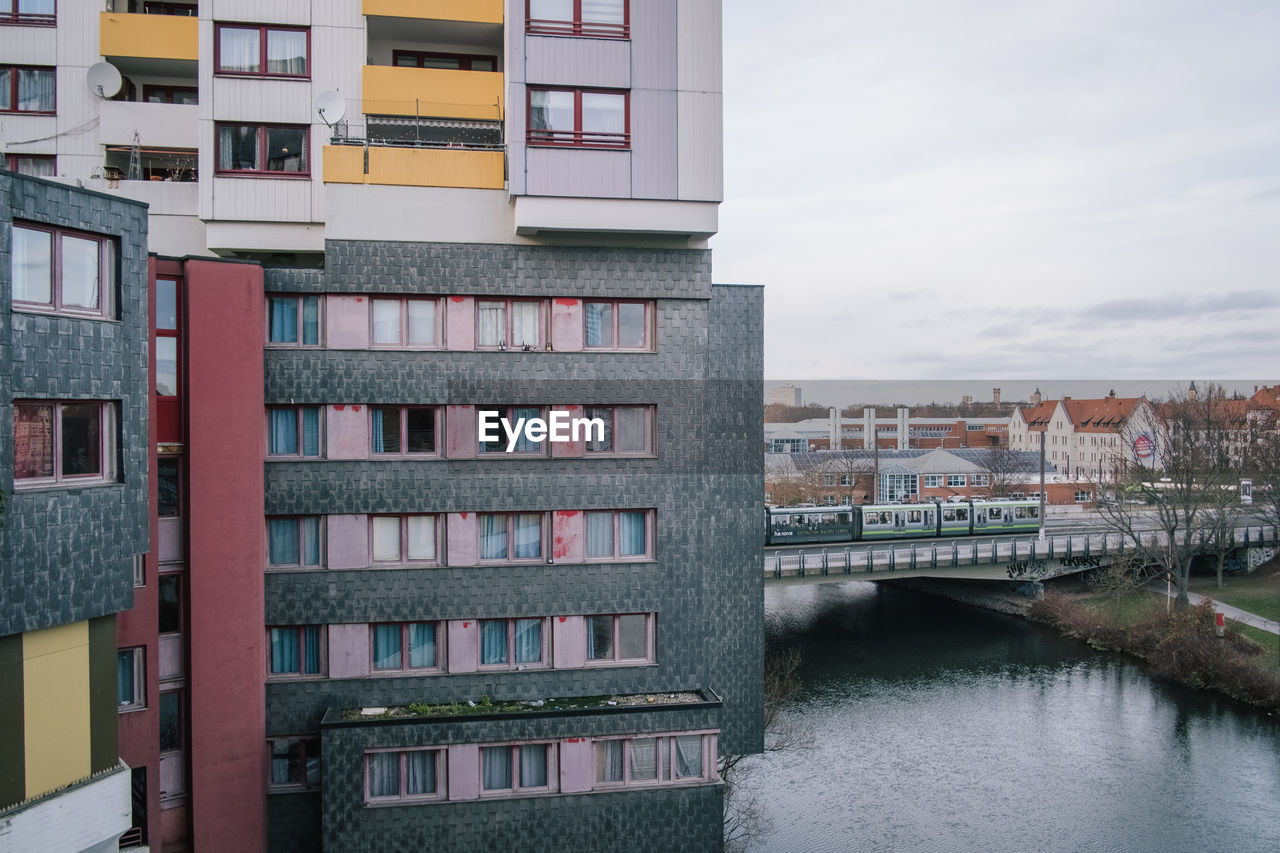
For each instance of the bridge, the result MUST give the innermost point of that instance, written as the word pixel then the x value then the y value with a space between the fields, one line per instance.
pixel 1009 558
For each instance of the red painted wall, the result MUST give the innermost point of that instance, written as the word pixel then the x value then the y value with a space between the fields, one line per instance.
pixel 225 441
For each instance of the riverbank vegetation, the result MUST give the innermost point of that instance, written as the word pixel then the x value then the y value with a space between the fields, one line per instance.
pixel 1180 644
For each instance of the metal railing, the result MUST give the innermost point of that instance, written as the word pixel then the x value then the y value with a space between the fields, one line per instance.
pixel 419 124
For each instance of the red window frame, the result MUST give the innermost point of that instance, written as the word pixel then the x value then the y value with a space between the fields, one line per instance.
pixel 262 29
pixel 262 171
pixel 578 27
pixel 12 16
pixel 11 162
pixel 57 452
pixel 464 59
pixel 167 93
pixel 577 138
pixel 13 89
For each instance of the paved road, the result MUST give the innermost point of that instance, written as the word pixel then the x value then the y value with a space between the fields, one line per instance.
pixel 1230 612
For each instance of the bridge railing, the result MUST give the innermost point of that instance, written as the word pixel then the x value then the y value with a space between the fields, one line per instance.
pixel 1074 550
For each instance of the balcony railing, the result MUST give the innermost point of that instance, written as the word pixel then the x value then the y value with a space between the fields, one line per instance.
pixel 586 29
pixel 579 139
pixel 417 124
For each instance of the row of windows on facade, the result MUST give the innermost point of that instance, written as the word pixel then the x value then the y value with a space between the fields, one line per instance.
pixel 421 774
pixel 931 481
pixel 420 322
pixel 419 539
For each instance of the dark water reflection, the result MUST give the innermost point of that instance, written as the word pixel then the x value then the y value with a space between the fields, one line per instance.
pixel 939 727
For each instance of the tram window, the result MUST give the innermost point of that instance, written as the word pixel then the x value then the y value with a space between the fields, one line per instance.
pixel 884 518
pixel 1033 512
pixel 797 520
pixel 982 517
pixel 828 518
pixel 913 516
pixel 948 515
pixel 870 519
pixel 962 513
pixel 843 517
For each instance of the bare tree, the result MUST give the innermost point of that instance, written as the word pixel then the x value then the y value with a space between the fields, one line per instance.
pixel 1179 466
pixel 1004 469
pixel 1266 485
pixel 1222 516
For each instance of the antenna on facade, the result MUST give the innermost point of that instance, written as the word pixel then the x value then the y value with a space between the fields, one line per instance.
pixel 135 159
pixel 104 80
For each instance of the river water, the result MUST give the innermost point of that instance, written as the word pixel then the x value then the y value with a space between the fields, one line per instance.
pixel 935 726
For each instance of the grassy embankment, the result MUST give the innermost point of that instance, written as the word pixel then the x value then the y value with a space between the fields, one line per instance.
pixel 1182 645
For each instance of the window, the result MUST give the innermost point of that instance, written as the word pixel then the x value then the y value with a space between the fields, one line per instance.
pixel 167 486
pixel 622 534
pixel 512 643
pixel 131 682
pixel 27 12
pixel 275 150
pixel 293 321
pixel 67 272
pixel 36 165
pixel 243 49
pixel 828 479
pixel 170 94
pixel 402 646
pixel 168 294
pixel 402 430
pixel 617 325
pixel 652 760
pixel 139 570
pixel 513 414
pixel 293 541
pixel 162 8
pixel 514 768
pixel 169 604
pixel 627 429
pixel 510 323
pixel 295 650
pixel 955 481
pixel 171 721
pixel 406 322
pixel 403 538
pixel 980 479
pixel 1083 497
pixel 398 775
pixel 829 500
pixel 616 639
pixel 511 536
pixel 579 118
pixel 592 18
pixel 293 431
pixel 846 480
pixel 26 89
pixel 448 61
pixel 67 442
pixel 933 481
pixel 295 763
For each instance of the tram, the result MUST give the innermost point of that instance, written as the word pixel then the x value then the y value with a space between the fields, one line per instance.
pixel 922 520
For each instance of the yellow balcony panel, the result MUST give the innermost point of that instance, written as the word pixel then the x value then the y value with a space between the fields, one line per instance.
pixel 148 36
pixel 484 11
pixel 433 92
pixel 414 167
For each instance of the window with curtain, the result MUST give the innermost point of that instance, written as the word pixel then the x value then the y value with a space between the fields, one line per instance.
pixel 580 118
pixel 402 429
pixel 26 89
pixel 528 641
pixel 527 528
pixel 403 538
pixel 295 650
pixel 29 12
pixel 588 18
pixel 513 768
pixel 382 771
pixel 293 431
pixel 293 541
pixel 293 320
pixel 405 645
pixel 402 775
pixel 242 48
pixel 609 761
pixel 491 324
pixel 493 642
pixel 524 324
pixel 267 150
pixel 495 768
pixel 36 165
pixel 493 536
pixel 600 534
pixel 666 759
pixel 688 756
pixel 618 534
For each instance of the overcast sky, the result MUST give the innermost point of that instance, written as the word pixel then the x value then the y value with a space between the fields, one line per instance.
pixel 1053 189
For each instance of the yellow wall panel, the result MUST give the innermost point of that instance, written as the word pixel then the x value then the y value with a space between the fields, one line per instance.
pixel 343 164
pixel 149 36
pixel 414 167
pixel 437 92
pixel 486 11
pixel 55 684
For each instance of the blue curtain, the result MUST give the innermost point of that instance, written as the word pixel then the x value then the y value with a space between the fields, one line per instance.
pixel 378 446
pixel 282 541
pixel 420 772
pixel 311 320
pixel 422 644
pixel 528 640
pixel 284 650
pixel 386 647
pixel 496 766
pixel 124 678
pixel 631 533
pixel 493 641
pixel 493 536
pixel 384 774
pixel 284 431
pixel 311 431
pixel 284 320
pixel 599 534
pixel 524 444
pixel 310 540
pixel 609 760
pixel 533 765
pixel 528 535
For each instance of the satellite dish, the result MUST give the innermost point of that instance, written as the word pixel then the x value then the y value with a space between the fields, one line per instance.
pixel 331 107
pixel 104 80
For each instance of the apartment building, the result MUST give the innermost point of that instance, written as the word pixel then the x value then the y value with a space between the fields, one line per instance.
pixel 369 222
pixel 1088 438
pixel 73 521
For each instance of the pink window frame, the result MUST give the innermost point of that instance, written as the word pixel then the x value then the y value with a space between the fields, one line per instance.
pixel 295 786
pixel 441 781
pixel 262 29
pixel 543 538
pixel 542 448
pixel 404 323
pixel 649 430
pixel 320 545
pixel 511 663
pixel 437 526
pixel 106 273
pixel 650 640
pixel 262 129
pixel 106 445
pixel 578 138
pixel 322 643
pixel 405 668
pixel 552 765
pixel 297 298
pixel 13 89
pixel 507 319
pixel 617 556
pixel 297 410
pixel 667 741
pixel 578 27
pixel 649 331
pixel 14 18
pixel 438 414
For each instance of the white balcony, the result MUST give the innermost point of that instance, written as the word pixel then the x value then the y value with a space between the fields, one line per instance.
pixel 157 125
pixel 88 816
pixel 167 198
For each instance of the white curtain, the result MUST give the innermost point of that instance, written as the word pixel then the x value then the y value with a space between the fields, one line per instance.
pixel 688 756
pixel 32 264
pixel 493 536
pixel 495 762
pixel 386 539
pixel 35 7
pixel 492 328
pixel 550 110
pixel 548 10
pixel 422 644
pixel 600 534
pixel 422 322
pixel 286 52
pixel 493 641
pixel 533 765
pixel 609 760
pixel 238 148
pixel 633 429
pixel 386 647
pixel 528 535
pixel 422 537
pixel 524 324
pixel 310 541
pixel 603 112
pixel 384 774
pixel 420 772
pixel 644 759
pixel 386 321
pixel 528 640
pixel 35 90
pixel 239 50
pixel 604 413
pixel 602 11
